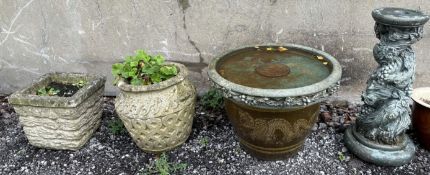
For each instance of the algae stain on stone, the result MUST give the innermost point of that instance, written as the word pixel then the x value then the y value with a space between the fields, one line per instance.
pixel 273 2
pixel 184 4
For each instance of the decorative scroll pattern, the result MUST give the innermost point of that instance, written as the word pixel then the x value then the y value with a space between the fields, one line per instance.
pixel 273 131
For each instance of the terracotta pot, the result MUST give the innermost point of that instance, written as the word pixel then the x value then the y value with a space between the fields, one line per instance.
pixel 60 122
pixel 421 115
pixel 158 117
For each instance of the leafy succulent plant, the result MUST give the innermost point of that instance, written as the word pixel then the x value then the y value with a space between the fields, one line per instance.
pixel 143 69
pixel 47 91
pixel 80 83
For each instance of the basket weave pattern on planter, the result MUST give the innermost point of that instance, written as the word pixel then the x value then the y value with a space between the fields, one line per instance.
pixel 60 122
pixel 159 119
pixel 61 128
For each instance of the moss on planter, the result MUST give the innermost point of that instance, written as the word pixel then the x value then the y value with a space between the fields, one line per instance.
pixel 60 122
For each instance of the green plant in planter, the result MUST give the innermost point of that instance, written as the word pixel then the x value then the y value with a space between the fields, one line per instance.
pixel 143 69
pixel 80 83
pixel 140 81
pixel 47 91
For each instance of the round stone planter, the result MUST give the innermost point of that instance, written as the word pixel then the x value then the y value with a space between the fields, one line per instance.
pixel 421 115
pixel 272 94
pixel 158 117
pixel 60 122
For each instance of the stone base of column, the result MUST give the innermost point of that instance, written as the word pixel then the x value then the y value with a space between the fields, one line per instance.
pixel 376 153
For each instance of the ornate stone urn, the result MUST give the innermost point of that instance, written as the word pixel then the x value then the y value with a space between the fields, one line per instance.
pixel 379 134
pixel 272 94
pixel 158 117
pixel 60 122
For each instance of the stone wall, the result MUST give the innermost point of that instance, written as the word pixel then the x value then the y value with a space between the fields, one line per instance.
pixel 40 36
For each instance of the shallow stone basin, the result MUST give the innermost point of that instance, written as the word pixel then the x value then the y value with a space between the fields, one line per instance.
pixel 272 94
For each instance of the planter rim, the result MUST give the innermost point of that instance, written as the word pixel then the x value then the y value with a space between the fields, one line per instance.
pixel 24 98
pixel 418 93
pixel 400 17
pixel 182 74
pixel 324 84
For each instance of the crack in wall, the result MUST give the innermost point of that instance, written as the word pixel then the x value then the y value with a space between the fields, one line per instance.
pixel 184 5
pixel 98 9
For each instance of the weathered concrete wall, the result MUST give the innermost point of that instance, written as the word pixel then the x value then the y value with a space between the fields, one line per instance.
pixel 40 36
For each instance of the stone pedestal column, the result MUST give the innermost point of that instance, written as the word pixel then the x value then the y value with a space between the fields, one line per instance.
pixel 379 134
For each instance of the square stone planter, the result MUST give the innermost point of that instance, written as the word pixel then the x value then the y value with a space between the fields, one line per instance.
pixel 60 122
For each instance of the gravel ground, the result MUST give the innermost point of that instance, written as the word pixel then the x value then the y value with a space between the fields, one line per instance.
pixel 211 149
